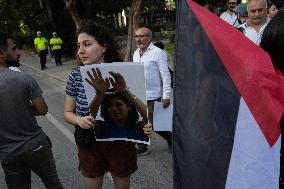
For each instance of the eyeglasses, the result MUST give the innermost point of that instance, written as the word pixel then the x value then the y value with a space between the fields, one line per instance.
pixel 140 36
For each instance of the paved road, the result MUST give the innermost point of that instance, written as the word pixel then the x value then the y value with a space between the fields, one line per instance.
pixel 155 169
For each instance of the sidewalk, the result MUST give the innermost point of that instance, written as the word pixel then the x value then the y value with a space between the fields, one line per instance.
pixel 61 73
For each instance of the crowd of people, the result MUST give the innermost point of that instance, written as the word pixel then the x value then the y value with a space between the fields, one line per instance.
pixel 119 107
pixel 29 149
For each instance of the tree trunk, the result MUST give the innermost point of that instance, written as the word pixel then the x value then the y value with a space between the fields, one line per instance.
pixel 40 4
pixel 136 14
pixel 133 24
pixel 50 13
pixel 71 8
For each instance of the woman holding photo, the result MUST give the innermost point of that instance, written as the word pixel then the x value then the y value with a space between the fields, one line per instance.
pixel 119 108
pixel 95 45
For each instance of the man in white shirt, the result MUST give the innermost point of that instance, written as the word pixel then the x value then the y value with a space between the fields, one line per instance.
pixel 156 70
pixel 257 20
pixel 229 15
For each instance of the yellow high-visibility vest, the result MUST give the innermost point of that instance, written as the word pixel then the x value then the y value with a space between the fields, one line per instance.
pixel 55 43
pixel 40 43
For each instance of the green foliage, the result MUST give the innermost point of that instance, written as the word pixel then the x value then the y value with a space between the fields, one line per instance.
pixel 20 18
pixel 172 38
pixel 170 47
pixel 23 18
pixel 213 4
pixel 153 5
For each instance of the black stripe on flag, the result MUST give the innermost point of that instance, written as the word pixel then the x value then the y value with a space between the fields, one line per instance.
pixel 220 139
pixel 206 108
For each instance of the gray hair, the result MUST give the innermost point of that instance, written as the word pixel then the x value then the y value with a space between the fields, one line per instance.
pixel 149 31
pixel 249 1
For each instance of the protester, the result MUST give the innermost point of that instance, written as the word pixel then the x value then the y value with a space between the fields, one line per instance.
pixel 55 43
pixel 24 146
pixel 242 13
pixel 257 20
pixel 95 45
pixel 271 9
pixel 156 70
pixel 272 42
pixel 229 15
pixel 119 108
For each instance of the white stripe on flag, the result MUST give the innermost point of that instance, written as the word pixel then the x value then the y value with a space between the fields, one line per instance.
pixel 253 164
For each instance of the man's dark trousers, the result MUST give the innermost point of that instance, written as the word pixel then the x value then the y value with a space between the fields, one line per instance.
pixel 40 160
pixel 42 56
pixel 57 56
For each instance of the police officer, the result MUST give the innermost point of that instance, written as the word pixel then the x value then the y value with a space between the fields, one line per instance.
pixel 41 45
pixel 55 43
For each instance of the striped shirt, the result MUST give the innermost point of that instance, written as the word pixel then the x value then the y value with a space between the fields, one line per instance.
pixel 75 88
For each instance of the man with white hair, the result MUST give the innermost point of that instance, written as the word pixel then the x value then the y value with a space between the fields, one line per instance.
pixel 257 20
pixel 156 70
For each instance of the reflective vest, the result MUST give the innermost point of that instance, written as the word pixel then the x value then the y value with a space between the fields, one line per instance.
pixel 40 43
pixel 55 43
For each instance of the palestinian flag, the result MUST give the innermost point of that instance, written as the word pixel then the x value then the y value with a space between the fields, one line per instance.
pixel 227 108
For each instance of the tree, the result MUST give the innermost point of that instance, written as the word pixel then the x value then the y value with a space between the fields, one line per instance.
pixel 49 12
pixel 71 8
pixel 133 24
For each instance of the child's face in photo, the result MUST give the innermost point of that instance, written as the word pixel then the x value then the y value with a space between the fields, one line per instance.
pixel 118 110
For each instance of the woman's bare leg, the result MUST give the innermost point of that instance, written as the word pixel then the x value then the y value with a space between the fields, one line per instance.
pixel 121 183
pixel 93 183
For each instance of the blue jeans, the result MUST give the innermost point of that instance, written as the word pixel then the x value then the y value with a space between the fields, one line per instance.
pixel 39 160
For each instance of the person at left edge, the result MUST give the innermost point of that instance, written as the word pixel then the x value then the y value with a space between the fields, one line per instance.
pixel 41 45
pixel 55 43
pixel 23 144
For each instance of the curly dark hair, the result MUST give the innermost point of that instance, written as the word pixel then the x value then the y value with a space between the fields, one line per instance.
pixel 278 3
pixel 269 4
pixel 133 115
pixel 104 37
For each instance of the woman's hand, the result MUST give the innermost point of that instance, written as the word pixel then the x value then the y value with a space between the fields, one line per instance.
pixel 148 129
pixel 86 122
pixel 117 81
pixel 96 80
